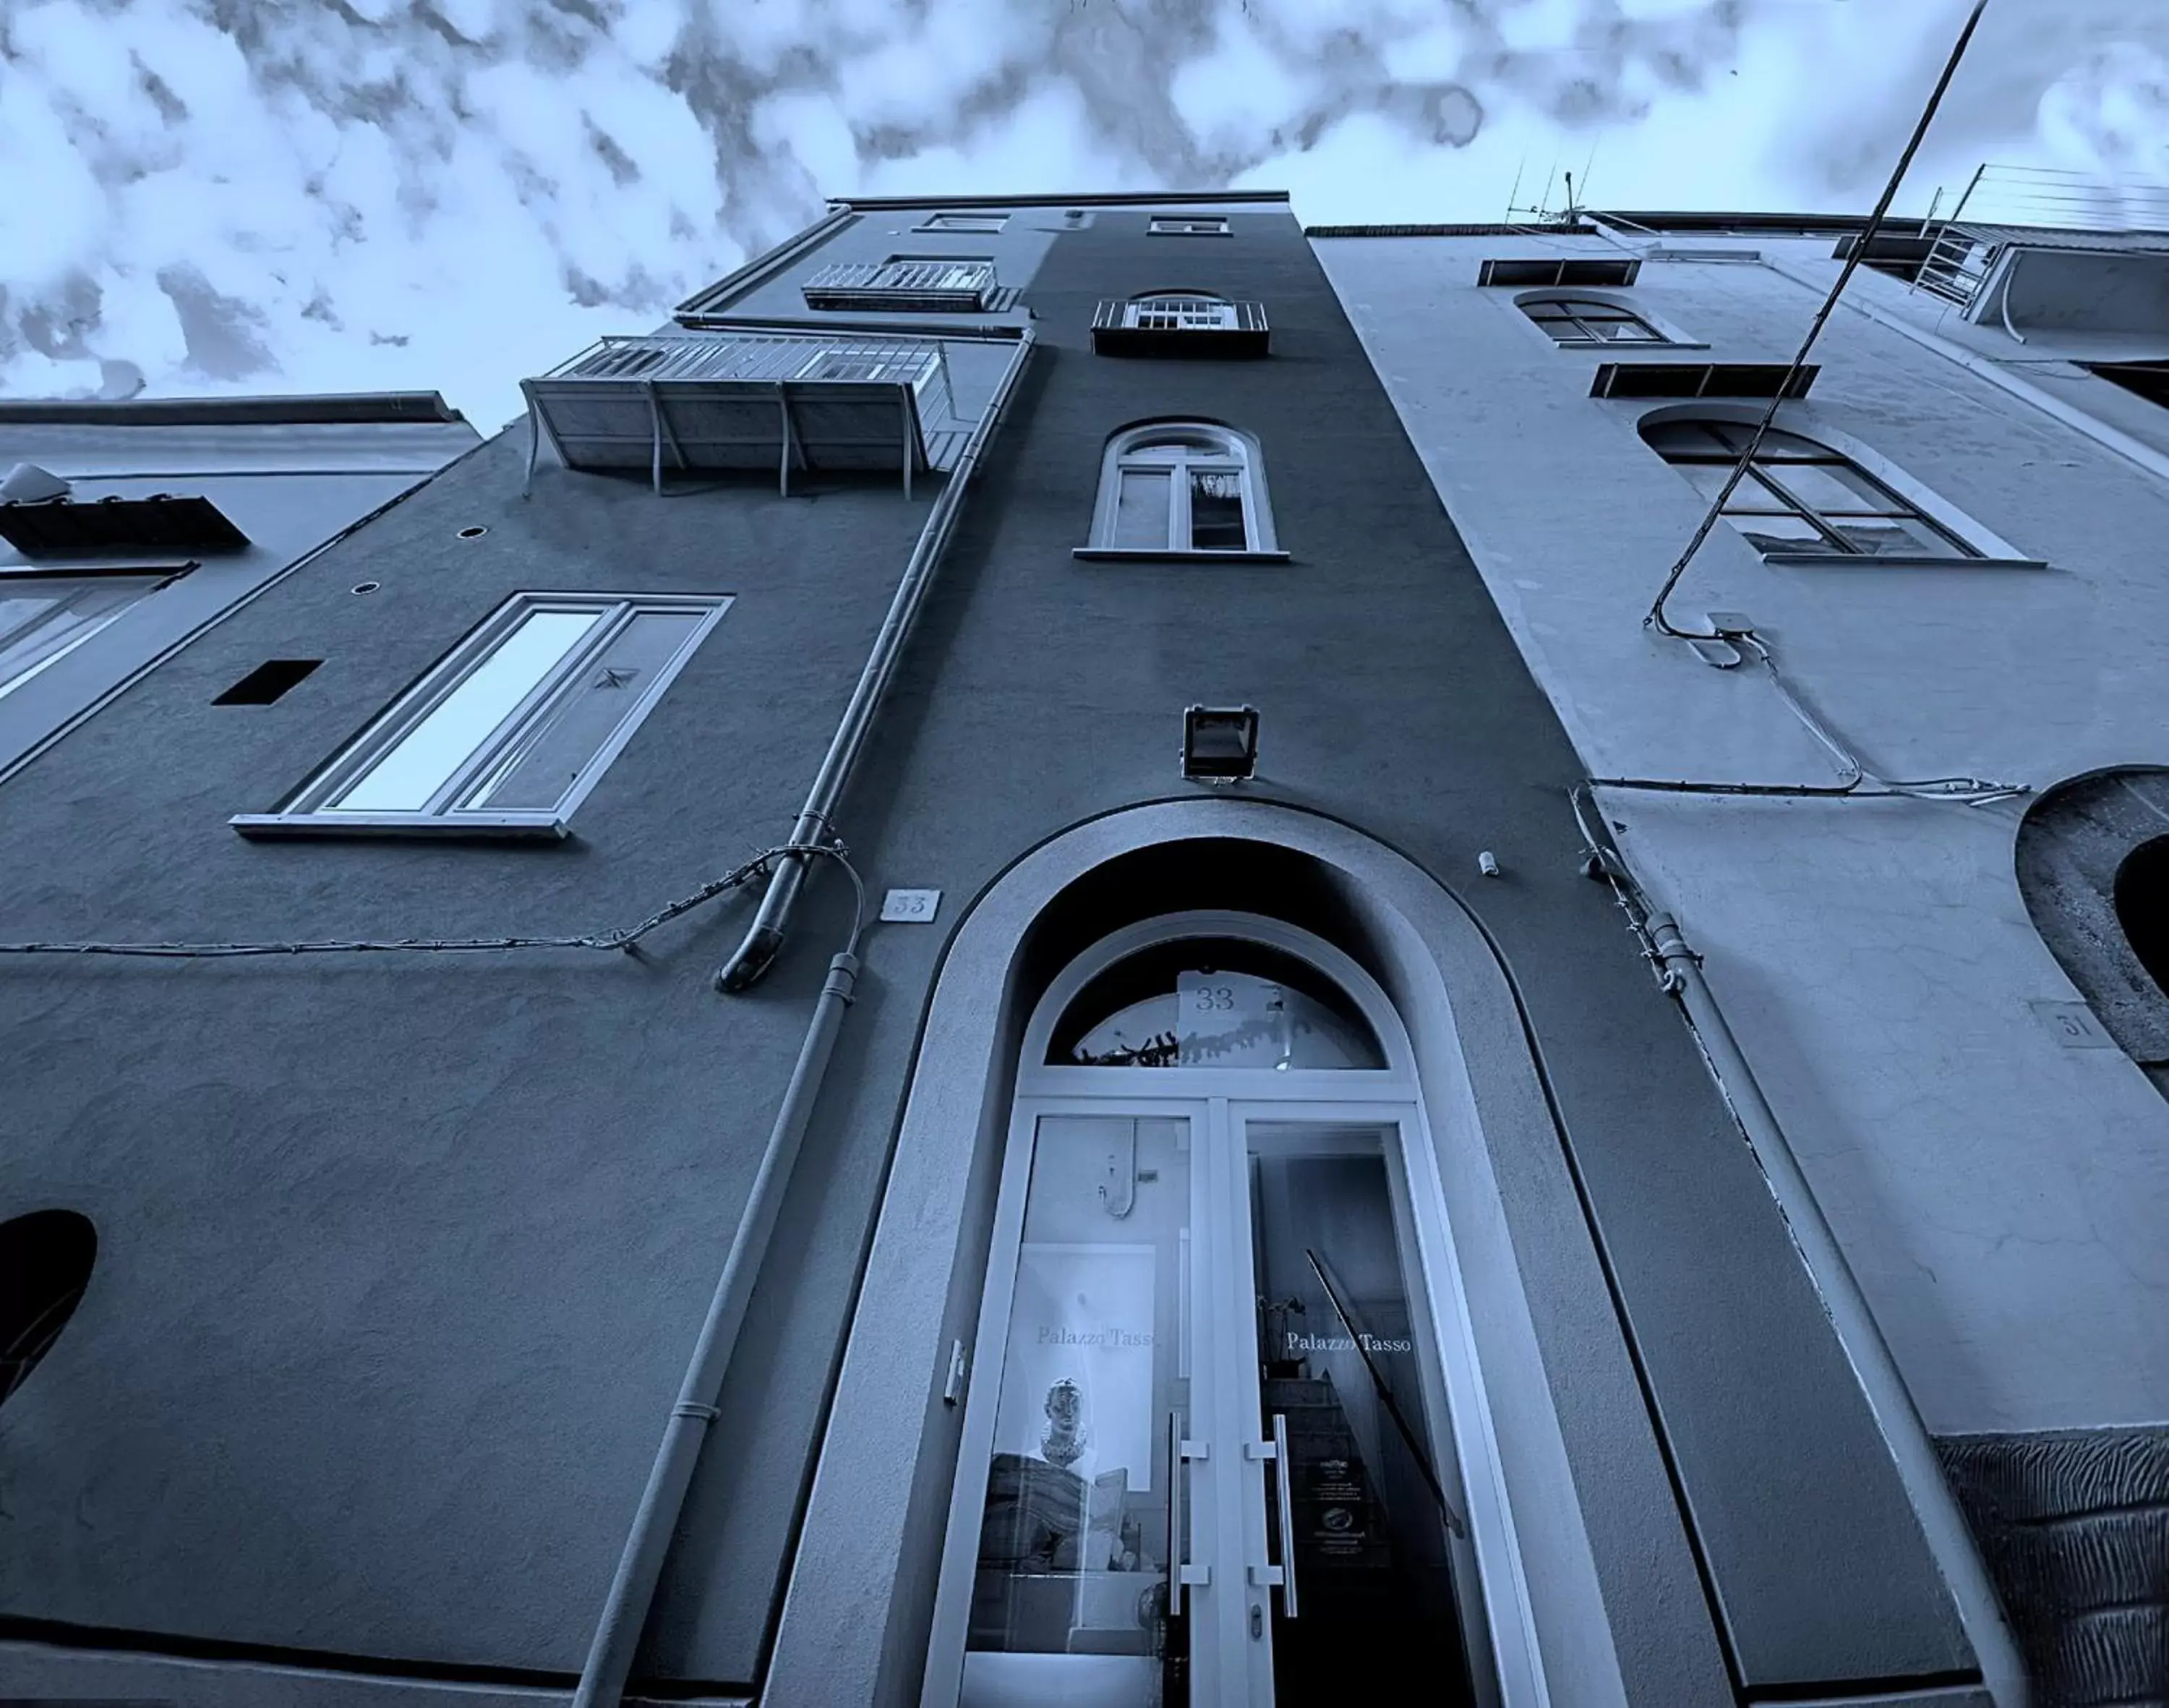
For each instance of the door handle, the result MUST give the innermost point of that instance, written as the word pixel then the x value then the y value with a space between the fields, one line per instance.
pixel 1287 1514
pixel 1178 1573
pixel 1174 1513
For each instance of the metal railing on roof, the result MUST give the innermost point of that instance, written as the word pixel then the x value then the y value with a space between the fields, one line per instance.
pixel 2058 199
pixel 2005 208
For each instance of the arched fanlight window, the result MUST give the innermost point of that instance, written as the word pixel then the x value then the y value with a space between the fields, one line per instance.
pixel 1800 499
pixel 1186 487
pixel 1179 311
pixel 2141 898
pixel 2094 867
pixel 46 1260
pixel 1589 320
pixel 1217 1002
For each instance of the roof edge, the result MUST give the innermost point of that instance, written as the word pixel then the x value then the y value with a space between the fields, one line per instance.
pixel 1142 198
pixel 321 408
pixel 1451 231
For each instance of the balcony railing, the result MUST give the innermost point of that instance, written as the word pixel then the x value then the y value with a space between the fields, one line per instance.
pixel 910 285
pixel 1175 324
pixel 727 400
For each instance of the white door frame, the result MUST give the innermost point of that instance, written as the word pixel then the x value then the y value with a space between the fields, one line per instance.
pixel 1502 1640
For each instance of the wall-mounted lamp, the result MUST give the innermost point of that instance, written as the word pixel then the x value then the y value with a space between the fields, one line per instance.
pixel 1219 743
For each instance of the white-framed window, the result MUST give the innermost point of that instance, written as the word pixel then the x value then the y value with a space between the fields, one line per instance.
pixel 1188 225
pixel 510 731
pixel 1179 311
pixel 43 618
pixel 1589 320
pixel 1182 488
pixel 979 224
pixel 1801 499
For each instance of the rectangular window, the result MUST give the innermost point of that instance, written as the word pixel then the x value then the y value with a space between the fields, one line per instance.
pixel 982 224
pixel 1559 270
pixel 43 618
pixel 511 730
pixel 1188 225
pixel 1216 511
pixel 1180 314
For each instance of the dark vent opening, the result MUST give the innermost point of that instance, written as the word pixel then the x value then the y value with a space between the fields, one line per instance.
pixel 46 1260
pixel 2142 906
pixel 2147 380
pixel 267 682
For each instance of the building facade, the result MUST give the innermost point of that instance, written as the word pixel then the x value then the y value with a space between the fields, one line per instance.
pixel 911 1010
pixel 1953 996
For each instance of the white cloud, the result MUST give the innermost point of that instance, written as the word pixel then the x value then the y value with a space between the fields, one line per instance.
pixel 468 176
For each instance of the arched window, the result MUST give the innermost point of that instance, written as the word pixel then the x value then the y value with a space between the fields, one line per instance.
pixel 1801 499
pixel 2141 898
pixel 1179 311
pixel 2094 867
pixel 1213 1002
pixel 46 1260
pixel 1589 320
pixel 1183 487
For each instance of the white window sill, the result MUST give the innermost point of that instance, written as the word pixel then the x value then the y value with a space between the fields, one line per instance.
pixel 1892 560
pixel 1120 554
pixel 525 827
pixel 1624 346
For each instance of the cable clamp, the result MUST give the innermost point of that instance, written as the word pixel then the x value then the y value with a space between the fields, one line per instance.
pixel 687 1408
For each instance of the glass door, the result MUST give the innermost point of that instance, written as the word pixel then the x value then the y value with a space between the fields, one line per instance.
pixel 1084 1589
pixel 1205 1466
pixel 1358 1491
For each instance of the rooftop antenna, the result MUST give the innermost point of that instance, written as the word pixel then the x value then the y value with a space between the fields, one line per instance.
pixel 1514 192
pixel 1570 199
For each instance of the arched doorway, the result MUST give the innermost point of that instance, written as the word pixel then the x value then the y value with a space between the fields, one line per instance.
pixel 1207 1459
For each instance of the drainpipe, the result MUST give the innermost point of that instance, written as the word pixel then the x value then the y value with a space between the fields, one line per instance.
pixel 1949 1538
pixel 2153 462
pixel 763 938
pixel 640 1567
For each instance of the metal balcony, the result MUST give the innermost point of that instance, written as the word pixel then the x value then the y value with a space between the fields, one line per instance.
pixel 914 285
pixel 727 400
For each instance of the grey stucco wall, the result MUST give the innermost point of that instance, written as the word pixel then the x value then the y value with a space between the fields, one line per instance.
pixel 404 1256
pixel 1875 957
pixel 401 1256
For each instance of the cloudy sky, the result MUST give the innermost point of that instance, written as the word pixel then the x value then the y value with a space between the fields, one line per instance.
pixel 200 196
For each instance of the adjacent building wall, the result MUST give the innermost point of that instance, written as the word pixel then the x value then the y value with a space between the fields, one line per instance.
pixel 2000 1194
pixel 290 473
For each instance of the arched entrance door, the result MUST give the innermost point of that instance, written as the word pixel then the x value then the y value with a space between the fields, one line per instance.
pixel 1206 1457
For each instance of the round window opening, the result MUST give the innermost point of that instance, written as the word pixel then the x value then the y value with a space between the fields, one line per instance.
pixel 46 1260
pixel 1213 1002
pixel 2142 906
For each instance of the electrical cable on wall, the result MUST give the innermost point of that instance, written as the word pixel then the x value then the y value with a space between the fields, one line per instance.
pixel 1656 618
pixel 622 941
pixel 1860 783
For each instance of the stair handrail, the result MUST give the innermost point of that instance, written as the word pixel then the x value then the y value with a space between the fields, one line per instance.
pixel 1453 1520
